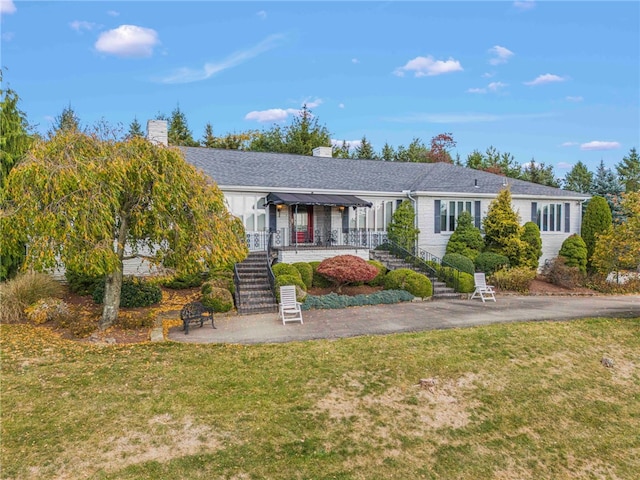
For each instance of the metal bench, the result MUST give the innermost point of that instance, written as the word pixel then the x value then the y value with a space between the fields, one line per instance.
pixel 194 313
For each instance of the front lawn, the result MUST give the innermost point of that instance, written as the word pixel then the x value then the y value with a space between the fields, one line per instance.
pixel 526 401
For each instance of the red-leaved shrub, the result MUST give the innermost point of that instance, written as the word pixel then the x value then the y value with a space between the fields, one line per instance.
pixel 345 269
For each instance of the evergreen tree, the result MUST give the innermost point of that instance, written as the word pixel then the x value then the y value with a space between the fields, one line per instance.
pixel 502 230
pixel 178 130
pixel 475 160
pixel 268 141
pixel 365 150
pixel 15 141
pixel 66 122
pixel 531 236
pixel 466 239
pixel 578 179
pixel 540 174
pixel 305 133
pixel 342 151
pixel 417 151
pixel 402 229
pixel 629 171
pixel 574 251
pixel 596 220
pixel 135 129
pixel 209 140
pixel 606 185
pixel 387 153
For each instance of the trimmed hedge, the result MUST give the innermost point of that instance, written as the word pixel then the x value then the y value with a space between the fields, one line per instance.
pixel 466 283
pixel 135 293
pixel 333 300
pixel 382 271
pixel 515 279
pixel 460 262
pixel 282 280
pixel 285 269
pixel 489 262
pixel 219 299
pixel 415 283
pixel 319 281
pixel 306 273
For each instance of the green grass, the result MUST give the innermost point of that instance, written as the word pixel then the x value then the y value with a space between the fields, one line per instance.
pixel 525 401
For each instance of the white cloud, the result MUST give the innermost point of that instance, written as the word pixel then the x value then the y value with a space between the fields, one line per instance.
pixel 487 75
pixel 574 99
pixel 188 75
pixel 492 87
pixel 271 115
pixel 312 103
pixel 355 60
pixel 341 105
pixel 546 78
pixel 113 13
pixel 427 67
pixel 128 41
pixel 524 4
pixel 563 166
pixel 79 25
pixel 262 14
pixel 569 144
pixel 599 145
pixel 7 7
pixel 500 55
pixel 351 144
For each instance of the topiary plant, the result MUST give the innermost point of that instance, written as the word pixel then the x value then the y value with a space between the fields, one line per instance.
pixel 282 280
pixel 574 251
pixel 466 239
pixel 413 282
pixel 285 269
pixel 219 299
pixel 531 237
pixel 306 273
pixel 345 269
pixel 597 219
pixel 489 262
pixel 382 271
pixel 459 261
pixel 318 280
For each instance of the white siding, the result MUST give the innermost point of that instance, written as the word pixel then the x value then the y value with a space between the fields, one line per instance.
pixel 314 255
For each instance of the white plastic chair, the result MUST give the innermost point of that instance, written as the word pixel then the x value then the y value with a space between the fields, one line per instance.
pixel 290 310
pixel 483 290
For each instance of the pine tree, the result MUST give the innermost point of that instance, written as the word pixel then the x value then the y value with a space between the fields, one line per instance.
pixel 305 133
pixel 578 179
pixel 67 122
pixel 629 171
pixel 502 229
pixel 135 129
pixel 540 174
pixel 365 150
pixel 209 140
pixel 606 185
pixel 466 239
pixel 342 151
pixel 178 130
pixel 387 153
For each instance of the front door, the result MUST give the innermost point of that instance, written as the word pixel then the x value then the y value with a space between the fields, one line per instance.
pixel 301 224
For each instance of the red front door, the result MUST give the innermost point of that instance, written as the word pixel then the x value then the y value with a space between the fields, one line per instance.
pixel 302 223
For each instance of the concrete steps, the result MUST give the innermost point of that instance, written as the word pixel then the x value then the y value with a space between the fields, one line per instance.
pixel 253 294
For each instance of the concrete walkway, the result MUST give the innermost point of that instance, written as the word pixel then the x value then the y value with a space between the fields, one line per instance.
pixel 407 317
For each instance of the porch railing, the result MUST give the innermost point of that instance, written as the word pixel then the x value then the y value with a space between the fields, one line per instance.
pixel 318 238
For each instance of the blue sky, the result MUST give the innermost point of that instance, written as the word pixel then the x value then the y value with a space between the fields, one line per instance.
pixel 555 81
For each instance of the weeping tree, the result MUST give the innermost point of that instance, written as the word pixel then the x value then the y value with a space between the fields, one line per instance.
pixel 89 204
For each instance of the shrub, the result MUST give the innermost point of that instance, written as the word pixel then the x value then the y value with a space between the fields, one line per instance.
pixel 574 251
pixel 48 310
pixel 597 219
pixel 283 280
pixel 24 290
pixel 285 269
pixel 333 300
pixel 180 282
pixel 219 299
pixel 135 293
pixel 516 279
pixel 466 239
pixel 306 273
pixel 382 271
pixel 81 283
pixel 81 328
pixel 466 283
pixel 460 262
pixel 344 269
pixel 502 230
pixel 402 229
pixel 415 283
pixel 531 237
pixel 559 273
pixel 222 279
pixel 135 321
pixel 318 280
pixel 489 262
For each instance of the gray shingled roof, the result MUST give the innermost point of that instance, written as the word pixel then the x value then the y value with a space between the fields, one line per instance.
pixel 233 168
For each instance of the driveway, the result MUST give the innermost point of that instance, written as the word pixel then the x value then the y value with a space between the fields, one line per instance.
pixel 407 317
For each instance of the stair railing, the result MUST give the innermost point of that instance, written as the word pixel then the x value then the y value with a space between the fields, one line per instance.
pixel 236 282
pixel 431 264
pixel 272 277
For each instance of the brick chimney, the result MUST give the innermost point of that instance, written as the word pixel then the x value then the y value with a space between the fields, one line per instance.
pixel 157 132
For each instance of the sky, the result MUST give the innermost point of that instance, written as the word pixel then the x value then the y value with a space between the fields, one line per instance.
pixel 556 82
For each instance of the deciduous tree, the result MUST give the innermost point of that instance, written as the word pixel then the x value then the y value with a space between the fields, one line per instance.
pixel 344 269
pixel 89 203
pixel 440 146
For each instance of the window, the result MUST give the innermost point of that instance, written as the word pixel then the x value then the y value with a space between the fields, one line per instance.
pixel 446 213
pixel 549 216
